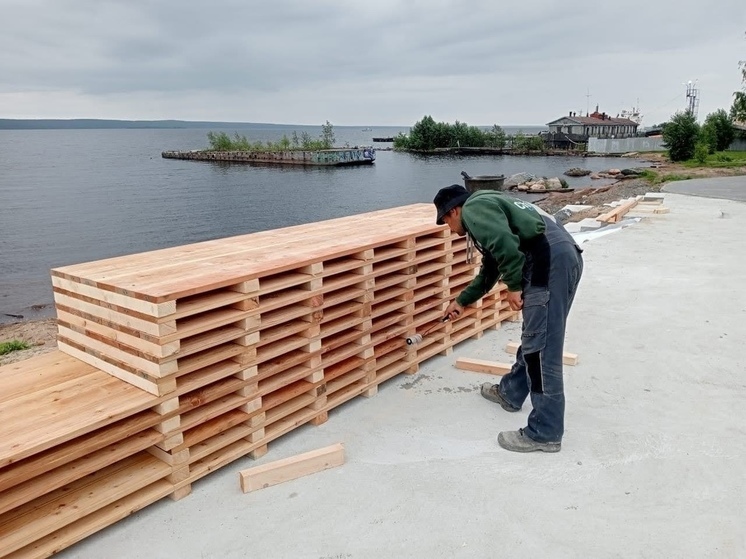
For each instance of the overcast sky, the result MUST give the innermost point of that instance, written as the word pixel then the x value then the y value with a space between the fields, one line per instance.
pixel 382 62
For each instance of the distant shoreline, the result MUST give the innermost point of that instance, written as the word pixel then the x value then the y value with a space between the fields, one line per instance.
pixel 113 124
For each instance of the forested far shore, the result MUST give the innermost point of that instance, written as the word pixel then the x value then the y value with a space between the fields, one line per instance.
pixel 93 123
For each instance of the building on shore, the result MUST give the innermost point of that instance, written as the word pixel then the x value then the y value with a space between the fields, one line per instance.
pixel 572 131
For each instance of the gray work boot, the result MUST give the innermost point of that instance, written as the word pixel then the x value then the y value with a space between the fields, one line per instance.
pixel 519 441
pixel 491 392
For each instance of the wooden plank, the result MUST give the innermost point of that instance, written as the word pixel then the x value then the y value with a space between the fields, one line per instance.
pixel 211 410
pixel 43 516
pixel 117 335
pixel 140 381
pixel 567 358
pixel 213 428
pixel 206 358
pixel 61 454
pixel 39 420
pixel 200 455
pixel 482 366
pixel 617 213
pixel 205 322
pixel 42 372
pixel 80 529
pixel 291 468
pixel 208 340
pixel 109 316
pixel 54 478
pixel 157 370
pixel 208 301
pixel 207 375
pixel 158 310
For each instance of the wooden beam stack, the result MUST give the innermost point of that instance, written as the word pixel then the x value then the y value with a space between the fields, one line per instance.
pixel 218 348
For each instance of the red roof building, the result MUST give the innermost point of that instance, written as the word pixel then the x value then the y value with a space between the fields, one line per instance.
pixel 597 125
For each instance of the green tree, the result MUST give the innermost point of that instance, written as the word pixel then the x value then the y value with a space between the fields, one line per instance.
pixel 680 136
pixel 701 151
pixel 428 135
pixel 718 131
pixel 496 137
pixel 327 135
pixel 422 135
pixel 219 141
pixel 284 143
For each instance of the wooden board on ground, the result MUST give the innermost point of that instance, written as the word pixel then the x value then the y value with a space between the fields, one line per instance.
pixel 481 366
pixel 618 212
pixel 294 467
pixel 567 358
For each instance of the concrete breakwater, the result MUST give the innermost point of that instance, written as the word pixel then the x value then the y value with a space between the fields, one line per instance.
pixel 326 157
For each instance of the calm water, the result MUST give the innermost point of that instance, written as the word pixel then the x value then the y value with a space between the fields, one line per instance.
pixel 71 196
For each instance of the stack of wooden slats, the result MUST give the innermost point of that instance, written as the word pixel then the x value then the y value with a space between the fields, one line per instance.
pixel 74 453
pixel 221 347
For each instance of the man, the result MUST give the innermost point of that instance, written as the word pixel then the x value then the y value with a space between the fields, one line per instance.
pixel 541 265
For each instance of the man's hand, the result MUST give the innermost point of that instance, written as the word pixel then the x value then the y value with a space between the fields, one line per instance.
pixel 515 300
pixel 453 311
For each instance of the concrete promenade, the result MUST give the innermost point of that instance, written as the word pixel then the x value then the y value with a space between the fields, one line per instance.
pixel 653 464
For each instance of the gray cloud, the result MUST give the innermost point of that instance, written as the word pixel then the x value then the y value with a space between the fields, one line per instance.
pixel 271 61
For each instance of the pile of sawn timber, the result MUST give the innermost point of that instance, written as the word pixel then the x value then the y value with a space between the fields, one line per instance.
pixel 178 361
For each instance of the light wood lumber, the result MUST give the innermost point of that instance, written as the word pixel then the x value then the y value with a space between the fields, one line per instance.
pixel 482 366
pixel 567 358
pixel 291 468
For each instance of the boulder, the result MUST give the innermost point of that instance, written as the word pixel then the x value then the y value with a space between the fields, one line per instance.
pixel 614 171
pixel 577 172
pixel 595 176
pixel 518 178
pixel 553 183
pixel 632 172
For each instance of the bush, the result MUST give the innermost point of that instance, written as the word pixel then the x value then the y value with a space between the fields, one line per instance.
pixel 701 152
pixel 719 130
pixel 220 141
pixel 12 345
pixel 680 136
pixel 428 135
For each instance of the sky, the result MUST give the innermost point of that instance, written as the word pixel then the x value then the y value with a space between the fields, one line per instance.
pixel 383 63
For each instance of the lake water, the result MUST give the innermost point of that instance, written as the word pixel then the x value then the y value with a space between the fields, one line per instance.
pixel 71 196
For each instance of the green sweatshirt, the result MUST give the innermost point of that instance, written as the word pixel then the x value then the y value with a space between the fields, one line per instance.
pixel 498 223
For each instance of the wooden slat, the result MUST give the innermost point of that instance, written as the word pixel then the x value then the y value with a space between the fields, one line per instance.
pixel 294 467
pixel 158 310
pixel 567 358
pixel 482 366
pixel 617 213
pixel 38 420
pixel 54 478
pixel 26 524
pixel 106 516
pixel 59 455
pixel 117 335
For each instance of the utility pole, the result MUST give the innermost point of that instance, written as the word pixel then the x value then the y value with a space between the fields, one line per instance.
pixel 588 102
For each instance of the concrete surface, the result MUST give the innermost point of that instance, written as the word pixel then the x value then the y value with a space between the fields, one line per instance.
pixel 731 188
pixel 653 463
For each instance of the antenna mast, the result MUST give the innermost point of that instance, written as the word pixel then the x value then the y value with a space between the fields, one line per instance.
pixel 692 98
